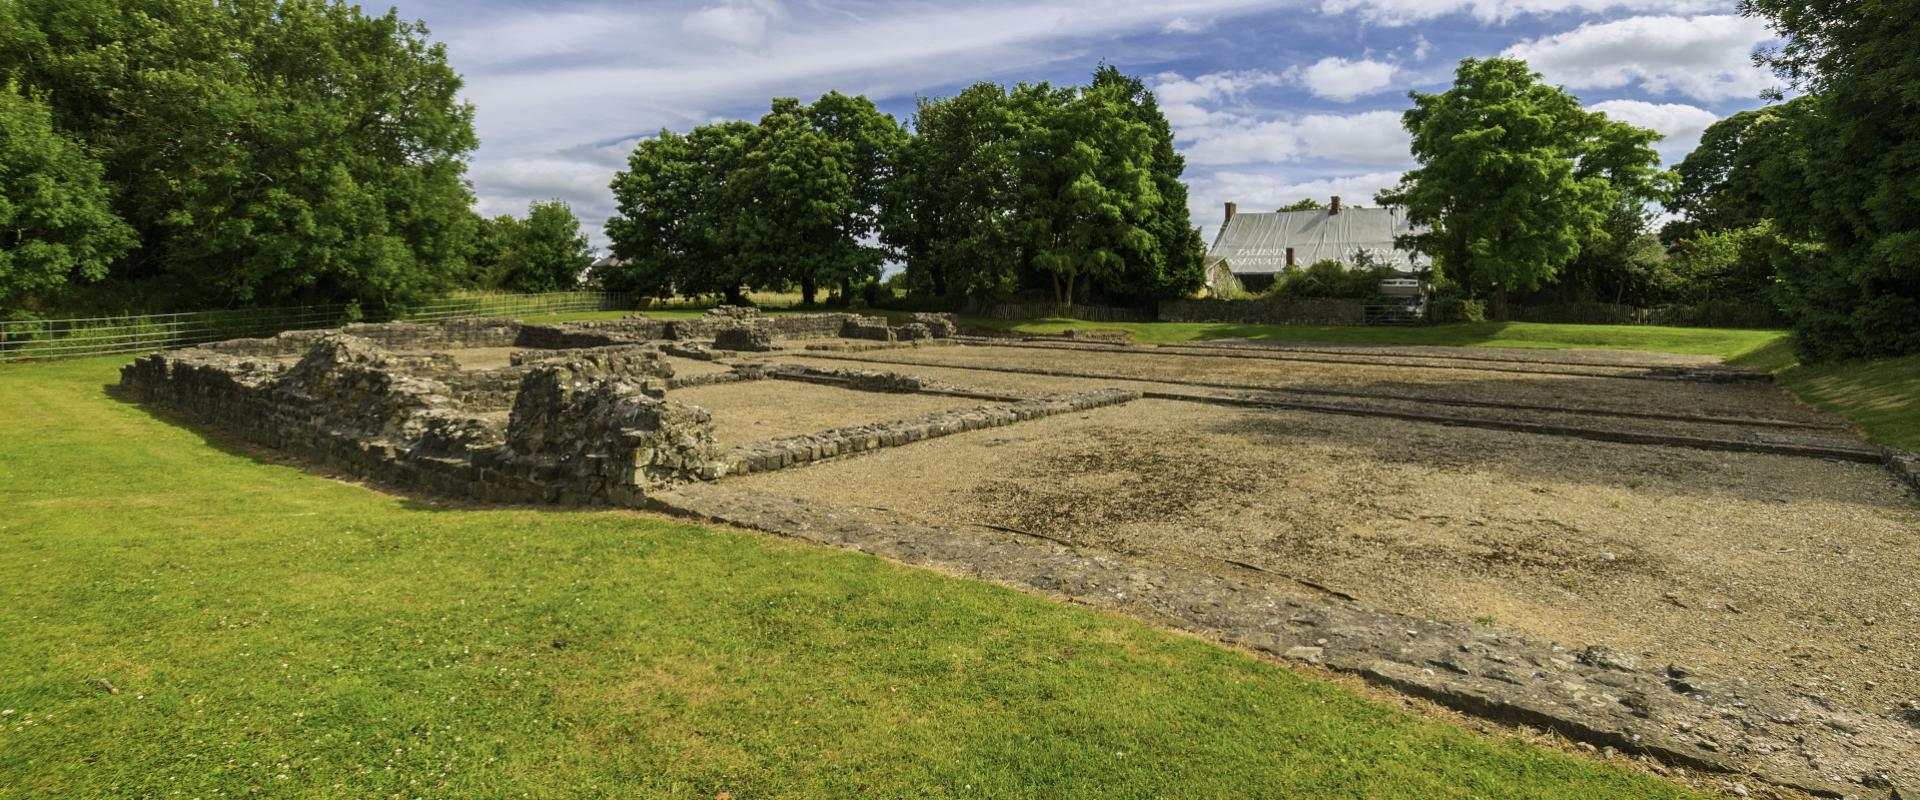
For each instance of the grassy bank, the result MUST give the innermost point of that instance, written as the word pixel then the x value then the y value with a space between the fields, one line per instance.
pixel 1881 396
pixel 267 632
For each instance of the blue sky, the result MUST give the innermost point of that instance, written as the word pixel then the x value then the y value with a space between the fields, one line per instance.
pixel 1270 101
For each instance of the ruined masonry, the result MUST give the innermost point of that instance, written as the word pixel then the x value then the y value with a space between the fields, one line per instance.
pixel 580 414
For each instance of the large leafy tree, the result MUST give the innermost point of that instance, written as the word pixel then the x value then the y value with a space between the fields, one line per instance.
pixel 1856 63
pixel 1515 178
pixel 794 200
pixel 1074 189
pixel 1747 169
pixel 55 221
pixel 678 212
pixel 262 150
pixel 545 252
pixel 798 186
pixel 1175 265
pixel 946 207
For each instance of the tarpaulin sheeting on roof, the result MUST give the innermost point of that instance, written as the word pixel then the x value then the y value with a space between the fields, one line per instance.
pixel 1256 243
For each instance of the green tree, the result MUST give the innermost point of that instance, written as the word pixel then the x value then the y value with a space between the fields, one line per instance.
pixel 1744 166
pixel 945 209
pixel 263 150
pixel 1308 204
pixel 678 213
pixel 1515 178
pixel 872 142
pixel 1175 267
pixel 1860 296
pixel 1748 168
pixel 55 224
pixel 801 198
pixel 545 252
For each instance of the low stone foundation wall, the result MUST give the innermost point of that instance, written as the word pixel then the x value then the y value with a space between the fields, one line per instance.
pixel 584 427
pixel 775 454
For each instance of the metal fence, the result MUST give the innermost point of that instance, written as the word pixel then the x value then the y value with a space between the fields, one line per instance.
pixel 26 340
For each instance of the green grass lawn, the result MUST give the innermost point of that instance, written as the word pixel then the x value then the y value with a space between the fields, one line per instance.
pixel 276 634
pixel 1881 396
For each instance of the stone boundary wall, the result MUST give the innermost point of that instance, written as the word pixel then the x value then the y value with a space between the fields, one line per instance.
pixel 775 454
pixel 785 326
pixel 740 373
pixel 1267 311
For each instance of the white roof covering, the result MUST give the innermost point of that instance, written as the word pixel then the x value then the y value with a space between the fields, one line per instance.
pixel 1256 243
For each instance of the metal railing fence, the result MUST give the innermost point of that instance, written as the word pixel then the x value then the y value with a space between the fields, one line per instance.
pixel 42 339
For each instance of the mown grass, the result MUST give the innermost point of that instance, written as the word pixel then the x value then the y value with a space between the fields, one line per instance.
pixel 1721 342
pixel 275 634
pixel 1882 396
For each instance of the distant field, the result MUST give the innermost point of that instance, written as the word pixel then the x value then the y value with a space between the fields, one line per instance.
pixel 177 617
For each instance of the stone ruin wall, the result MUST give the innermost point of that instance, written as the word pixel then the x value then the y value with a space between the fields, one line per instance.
pixel 579 415
pixel 572 426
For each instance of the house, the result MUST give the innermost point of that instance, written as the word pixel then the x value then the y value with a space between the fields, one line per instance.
pixel 1253 248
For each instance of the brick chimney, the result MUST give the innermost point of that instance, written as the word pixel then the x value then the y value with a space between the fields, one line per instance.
pixel 1231 208
pixel 1289 258
pixel 1335 208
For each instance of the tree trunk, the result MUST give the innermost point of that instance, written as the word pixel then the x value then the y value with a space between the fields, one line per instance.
pixel 1069 304
pixel 939 276
pixel 735 297
pixel 1497 305
pixel 808 288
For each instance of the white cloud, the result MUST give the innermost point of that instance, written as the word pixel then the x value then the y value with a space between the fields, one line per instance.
pixel 1343 80
pixel 1264 142
pixel 1182 99
pixel 1369 137
pixel 731 24
pixel 1680 123
pixel 1705 57
pixel 1404 12
pixel 1182 25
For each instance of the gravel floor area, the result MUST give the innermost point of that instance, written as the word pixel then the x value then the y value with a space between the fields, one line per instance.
pixel 472 358
pixel 1743 399
pixel 749 411
pixel 1785 568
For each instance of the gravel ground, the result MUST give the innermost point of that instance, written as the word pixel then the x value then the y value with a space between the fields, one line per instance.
pixel 749 411
pixel 472 358
pixel 1749 565
pixel 1743 399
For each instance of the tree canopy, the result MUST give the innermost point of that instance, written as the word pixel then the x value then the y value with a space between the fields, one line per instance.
pixel 1858 293
pixel 1065 189
pixel 56 225
pixel 260 151
pixel 1516 179
pixel 791 201
pixel 546 252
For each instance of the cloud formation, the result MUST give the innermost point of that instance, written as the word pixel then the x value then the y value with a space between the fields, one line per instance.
pixel 1679 123
pixel 1705 57
pixel 1342 80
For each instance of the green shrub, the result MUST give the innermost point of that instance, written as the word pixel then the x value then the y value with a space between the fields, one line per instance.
pixel 1448 310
